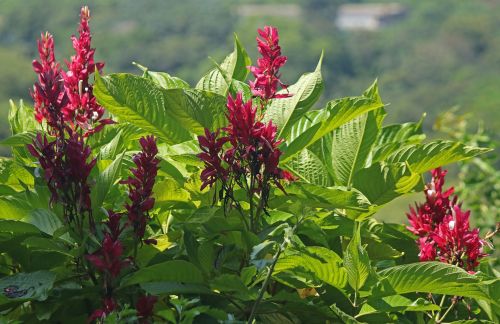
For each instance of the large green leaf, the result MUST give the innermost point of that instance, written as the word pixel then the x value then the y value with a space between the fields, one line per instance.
pixel 396 303
pixel 284 112
pixel 13 207
pixel 11 228
pixel 381 183
pixel 140 102
pixel 163 79
pixel 26 286
pixel 171 114
pixel 104 182
pixel 327 197
pixel 45 220
pixel 169 271
pixel 425 157
pixel 317 263
pixel 429 277
pixel 315 124
pixel 356 261
pixel 234 67
pixel 308 167
pixel 351 145
pixel 393 137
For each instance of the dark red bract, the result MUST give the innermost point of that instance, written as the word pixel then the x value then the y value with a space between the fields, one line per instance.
pixel 140 185
pixel 144 308
pixel 109 257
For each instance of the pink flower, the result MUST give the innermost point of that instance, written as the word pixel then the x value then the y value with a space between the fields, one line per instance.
pixel 141 184
pixel 266 73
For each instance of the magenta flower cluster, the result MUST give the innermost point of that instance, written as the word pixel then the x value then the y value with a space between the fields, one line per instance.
pixel 248 148
pixel 266 73
pixel 64 100
pixel 443 227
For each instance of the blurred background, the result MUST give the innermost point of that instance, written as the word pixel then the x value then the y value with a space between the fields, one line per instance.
pixel 440 57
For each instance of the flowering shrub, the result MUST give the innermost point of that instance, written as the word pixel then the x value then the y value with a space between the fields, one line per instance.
pixel 140 199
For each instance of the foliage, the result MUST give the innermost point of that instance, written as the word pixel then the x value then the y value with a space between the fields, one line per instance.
pixel 266 218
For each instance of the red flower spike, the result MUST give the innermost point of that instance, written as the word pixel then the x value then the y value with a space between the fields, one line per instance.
pixel 144 308
pixel 266 73
pixel 48 92
pixel 443 228
pixel 456 243
pixel 423 218
pixel 211 146
pixel 141 184
pixel 113 224
pixel 109 257
pixel 253 151
pixel 82 109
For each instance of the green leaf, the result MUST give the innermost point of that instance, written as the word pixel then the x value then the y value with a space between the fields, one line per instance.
pixel 104 182
pixel 22 118
pixel 110 150
pixel 428 156
pixel 429 277
pixel 351 145
pixel 13 208
pixel 234 67
pixel 171 114
pixel 11 228
pixel 14 175
pixel 285 111
pixel 26 286
pixel 317 263
pixel 315 124
pixel 163 79
pixel 396 303
pixel 140 102
pixel 19 139
pixel 392 137
pixel 171 288
pixel 232 285
pixel 45 220
pixel 330 197
pixel 346 318
pixel 356 261
pixel 171 271
pixel 381 183
pixel 309 168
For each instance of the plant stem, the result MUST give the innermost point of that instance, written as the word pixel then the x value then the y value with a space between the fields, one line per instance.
pixel 269 274
pixel 265 283
pixel 439 320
